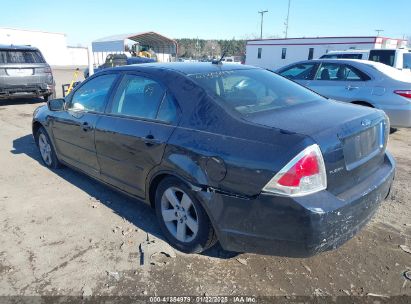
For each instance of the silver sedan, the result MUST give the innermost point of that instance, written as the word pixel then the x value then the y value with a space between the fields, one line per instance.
pixel 357 81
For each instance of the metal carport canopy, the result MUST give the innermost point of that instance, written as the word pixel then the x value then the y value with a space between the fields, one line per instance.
pixel 116 43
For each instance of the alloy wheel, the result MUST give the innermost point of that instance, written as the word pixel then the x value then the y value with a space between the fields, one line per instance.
pixel 179 214
pixel 45 149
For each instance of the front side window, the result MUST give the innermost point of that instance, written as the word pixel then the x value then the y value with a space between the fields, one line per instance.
pixel 138 96
pixel 302 71
pixel 93 94
pixel 252 91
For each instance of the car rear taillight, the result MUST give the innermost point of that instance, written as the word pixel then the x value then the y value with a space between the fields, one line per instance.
pixel 46 70
pixel 304 174
pixel 403 93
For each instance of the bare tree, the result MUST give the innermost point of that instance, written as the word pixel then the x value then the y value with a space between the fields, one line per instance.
pixel 211 49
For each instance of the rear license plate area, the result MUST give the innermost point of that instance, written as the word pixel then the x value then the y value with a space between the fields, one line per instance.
pixel 363 146
pixel 19 72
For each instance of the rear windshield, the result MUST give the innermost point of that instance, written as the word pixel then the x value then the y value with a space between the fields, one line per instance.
pixel 253 91
pixel 19 56
pixel 342 56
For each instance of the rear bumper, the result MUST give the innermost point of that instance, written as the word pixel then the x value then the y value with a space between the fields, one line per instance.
pixel 400 115
pixel 18 91
pixel 297 227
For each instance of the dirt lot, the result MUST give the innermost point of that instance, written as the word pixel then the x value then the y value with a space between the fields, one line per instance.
pixel 63 233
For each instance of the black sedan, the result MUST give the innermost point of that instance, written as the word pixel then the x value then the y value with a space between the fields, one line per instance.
pixel 225 152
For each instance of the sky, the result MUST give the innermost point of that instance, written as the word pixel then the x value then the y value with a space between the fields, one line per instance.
pixel 84 21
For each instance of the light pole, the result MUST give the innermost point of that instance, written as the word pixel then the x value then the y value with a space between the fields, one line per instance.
pixel 262 20
pixel 286 20
pixel 378 32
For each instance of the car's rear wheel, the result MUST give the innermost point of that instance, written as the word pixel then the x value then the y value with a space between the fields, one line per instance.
pixel 182 219
pixel 48 155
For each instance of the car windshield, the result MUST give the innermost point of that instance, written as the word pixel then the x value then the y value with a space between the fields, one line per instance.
pixel 254 90
pixel 19 56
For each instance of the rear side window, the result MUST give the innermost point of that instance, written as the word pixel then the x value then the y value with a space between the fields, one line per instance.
pixel 302 71
pixel 23 56
pixel 252 91
pixel 340 72
pixel 384 56
pixel 92 95
pixel 168 110
pixel 138 96
pixel 407 61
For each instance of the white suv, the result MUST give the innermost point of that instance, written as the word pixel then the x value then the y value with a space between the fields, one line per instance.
pixel 397 58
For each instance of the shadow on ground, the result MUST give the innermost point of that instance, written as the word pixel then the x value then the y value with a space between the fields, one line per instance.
pixel 20 101
pixel 133 210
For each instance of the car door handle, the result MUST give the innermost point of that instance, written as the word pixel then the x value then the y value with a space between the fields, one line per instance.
pixel 350 88
pixel 149 140
pixel 86 127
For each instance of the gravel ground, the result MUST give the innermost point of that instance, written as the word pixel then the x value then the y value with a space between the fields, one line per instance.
pixel 65 234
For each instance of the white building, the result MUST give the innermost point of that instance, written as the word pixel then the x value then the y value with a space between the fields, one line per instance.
pixel 276 53
pixel 53 46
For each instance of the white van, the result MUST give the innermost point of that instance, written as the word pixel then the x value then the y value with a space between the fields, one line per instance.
pixel 397 58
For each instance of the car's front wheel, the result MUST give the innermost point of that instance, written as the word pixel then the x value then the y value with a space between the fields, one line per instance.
pixel 48 155
pixel 182 219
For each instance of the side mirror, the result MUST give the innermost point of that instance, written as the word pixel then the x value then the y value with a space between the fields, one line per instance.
pixel 56 104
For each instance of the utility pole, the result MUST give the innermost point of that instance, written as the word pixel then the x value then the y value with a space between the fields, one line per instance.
pixel 262 20
pixel 287 19
pixel 378 32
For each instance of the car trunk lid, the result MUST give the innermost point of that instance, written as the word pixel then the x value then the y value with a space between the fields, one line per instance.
pixel 352 138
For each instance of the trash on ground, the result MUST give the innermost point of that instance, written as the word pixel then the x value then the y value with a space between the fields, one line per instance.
pixel 87 292
pixel 405 248
pixel 114 274
pixel 242 261
pixel 150 250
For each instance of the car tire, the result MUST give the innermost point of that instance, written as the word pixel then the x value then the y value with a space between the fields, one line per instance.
pixel 182 219
pixel 47 153
pixel 46 98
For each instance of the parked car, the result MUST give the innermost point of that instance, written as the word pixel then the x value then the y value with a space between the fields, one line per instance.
pixel 24 73
pixel 115 60
pixel 225 151
pixel 347 54
pixel 397 58
pixel 360 82
pixel 233 59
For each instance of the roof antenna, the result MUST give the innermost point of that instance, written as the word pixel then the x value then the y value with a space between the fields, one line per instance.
pixel 219 61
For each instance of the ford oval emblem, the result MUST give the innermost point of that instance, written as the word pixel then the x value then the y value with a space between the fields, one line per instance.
pixel 366 122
